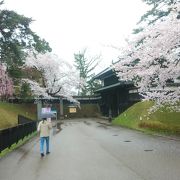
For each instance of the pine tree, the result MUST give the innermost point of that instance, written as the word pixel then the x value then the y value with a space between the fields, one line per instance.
pixel 85 66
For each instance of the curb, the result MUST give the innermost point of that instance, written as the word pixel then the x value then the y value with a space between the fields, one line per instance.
pixel 153 134
pixel 167 137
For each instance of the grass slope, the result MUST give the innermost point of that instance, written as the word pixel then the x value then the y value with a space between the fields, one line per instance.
pixel 9 113
pixel 162 121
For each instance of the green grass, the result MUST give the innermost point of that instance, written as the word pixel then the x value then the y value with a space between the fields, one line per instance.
pixel 15 146
pixel 9 113
pixel 137 117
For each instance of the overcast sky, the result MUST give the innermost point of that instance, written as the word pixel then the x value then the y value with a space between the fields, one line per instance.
pixel 71 25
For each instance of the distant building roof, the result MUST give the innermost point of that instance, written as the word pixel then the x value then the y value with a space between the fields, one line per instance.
pixel 120 84
pixel 105 73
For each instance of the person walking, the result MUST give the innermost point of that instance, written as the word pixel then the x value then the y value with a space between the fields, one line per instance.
pixel 44 128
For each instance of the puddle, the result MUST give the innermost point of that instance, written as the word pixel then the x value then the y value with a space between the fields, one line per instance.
pixel 24 154
pixel 127 141
pixel 103 126
pixel 115 135
pixel 87 123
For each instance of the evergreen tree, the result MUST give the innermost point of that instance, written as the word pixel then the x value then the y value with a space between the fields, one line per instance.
pixel 16 39
pixel 85 66
pixel 25 91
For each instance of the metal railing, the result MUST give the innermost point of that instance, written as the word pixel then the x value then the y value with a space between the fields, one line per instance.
pixel 10 136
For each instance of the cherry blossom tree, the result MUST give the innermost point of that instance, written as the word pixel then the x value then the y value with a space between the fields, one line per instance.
pixel 57 76
pixel 6 84
pixel 152 61
pixel 157 9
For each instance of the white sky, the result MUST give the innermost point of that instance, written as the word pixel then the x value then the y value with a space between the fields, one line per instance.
pixel 71 25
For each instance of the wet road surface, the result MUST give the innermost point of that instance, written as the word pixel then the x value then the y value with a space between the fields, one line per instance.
pixel 87 150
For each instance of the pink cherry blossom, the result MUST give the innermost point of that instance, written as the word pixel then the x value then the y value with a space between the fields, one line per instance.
pixel 157 54
pixel 58 77
pixel 6 84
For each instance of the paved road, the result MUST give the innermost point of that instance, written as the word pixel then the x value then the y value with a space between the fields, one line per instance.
pixel 87 150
